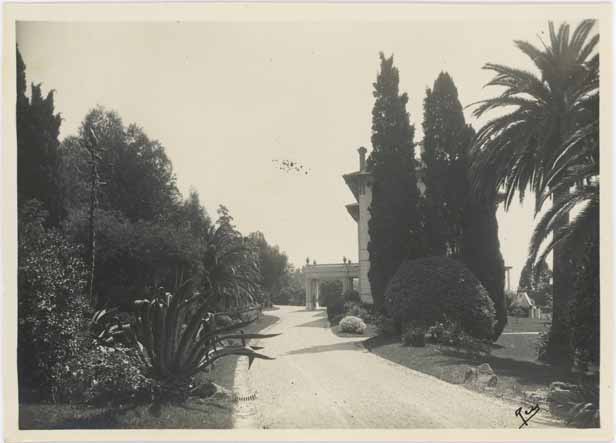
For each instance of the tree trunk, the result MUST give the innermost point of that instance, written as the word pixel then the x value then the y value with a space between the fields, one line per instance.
pixel 92 236
pixel 558 349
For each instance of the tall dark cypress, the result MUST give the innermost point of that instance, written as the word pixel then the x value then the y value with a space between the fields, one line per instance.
pixel 395 223
pixel 457 224
pixel 38 129
pixel 445 144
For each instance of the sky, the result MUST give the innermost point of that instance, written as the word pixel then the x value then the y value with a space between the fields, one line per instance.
pixel 229 101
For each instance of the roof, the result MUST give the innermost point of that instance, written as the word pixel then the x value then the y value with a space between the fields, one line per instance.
pixel 354 179
pixel 353 209
pixel 523 300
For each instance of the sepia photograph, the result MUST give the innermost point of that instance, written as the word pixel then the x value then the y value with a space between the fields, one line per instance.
pixel 266 218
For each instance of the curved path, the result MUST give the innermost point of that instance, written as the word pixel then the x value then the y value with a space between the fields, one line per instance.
pixel 323 380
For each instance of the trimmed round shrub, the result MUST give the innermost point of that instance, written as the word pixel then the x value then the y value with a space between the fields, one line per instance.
pixel 335 308
pixel 352 325
pixel 429 290
pixel 352 296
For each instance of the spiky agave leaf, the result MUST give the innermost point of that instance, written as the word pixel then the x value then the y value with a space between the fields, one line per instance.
pixel 244 336
pixel 175 352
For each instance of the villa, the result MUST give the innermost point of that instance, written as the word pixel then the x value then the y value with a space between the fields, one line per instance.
pixel 352 275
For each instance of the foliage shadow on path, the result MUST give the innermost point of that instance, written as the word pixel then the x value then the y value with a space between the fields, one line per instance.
pixel 344 346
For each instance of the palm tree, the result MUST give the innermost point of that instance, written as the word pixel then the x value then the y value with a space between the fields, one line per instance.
pixel 580 160
pixel 230 264
pixel 525 148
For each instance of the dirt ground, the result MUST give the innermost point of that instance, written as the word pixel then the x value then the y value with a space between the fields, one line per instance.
pixel 324 379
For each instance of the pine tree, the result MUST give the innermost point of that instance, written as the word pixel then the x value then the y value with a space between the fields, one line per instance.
pixel 457 224
pixel 38 129
pixel 395 223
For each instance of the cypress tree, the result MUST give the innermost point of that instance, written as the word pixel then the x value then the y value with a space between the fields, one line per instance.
pixel 395 223
pixel 457 224
pixel 482 255
pixel 445 145
pixel 38 129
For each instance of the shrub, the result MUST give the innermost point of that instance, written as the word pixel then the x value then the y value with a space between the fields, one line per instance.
pixel 335 308
pixel 450 333
pixel 51 302
pixel 428 290
pixel 352 296
pixel 414 336
pixel 105 375
pixel 356 310
pixel 385 325
pixel 352 325
pixel 329 290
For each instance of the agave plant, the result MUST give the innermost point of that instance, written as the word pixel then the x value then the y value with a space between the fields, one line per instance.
pixel 107 328
pixel 177 337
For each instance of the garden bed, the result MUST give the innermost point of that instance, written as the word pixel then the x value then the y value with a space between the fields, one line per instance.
pixel 215 412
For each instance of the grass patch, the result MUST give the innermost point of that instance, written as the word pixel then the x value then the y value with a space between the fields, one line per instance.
pixel 520 339
pixel 215 412
pixel 521 324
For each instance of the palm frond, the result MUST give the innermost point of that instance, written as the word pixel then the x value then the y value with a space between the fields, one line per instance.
pixel 589 197
pixel 534 145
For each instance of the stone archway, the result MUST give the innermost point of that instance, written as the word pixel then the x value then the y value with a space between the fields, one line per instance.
pixel 315 274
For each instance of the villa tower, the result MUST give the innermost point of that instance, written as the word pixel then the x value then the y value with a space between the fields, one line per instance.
pixel 360 183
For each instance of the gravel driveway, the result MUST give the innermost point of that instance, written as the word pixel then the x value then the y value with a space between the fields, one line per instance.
pixel 324 380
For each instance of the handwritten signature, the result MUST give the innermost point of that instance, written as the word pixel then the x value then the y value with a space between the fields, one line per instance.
pixel 526 414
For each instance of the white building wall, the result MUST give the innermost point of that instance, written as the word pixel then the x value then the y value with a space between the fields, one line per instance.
pixel 365 198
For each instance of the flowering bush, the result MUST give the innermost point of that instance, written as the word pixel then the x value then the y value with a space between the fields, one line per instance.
pixel 51 302
pixel 450 333
pixel 103 375
pixel 353 325
pixel 356 310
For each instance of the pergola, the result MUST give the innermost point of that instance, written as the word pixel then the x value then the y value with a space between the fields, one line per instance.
pixel 315 274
